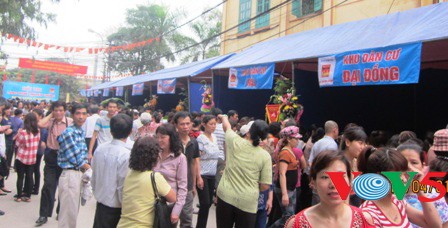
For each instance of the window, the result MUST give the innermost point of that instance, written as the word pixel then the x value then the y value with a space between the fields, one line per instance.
pixel 245 8
pixel 262 6
pixel 302 8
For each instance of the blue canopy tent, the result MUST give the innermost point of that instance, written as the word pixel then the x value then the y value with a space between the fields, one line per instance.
pixel 299 52
pixel 194 69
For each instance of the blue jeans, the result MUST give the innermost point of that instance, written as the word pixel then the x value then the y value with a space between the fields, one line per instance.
pixel 262 218
pixel 287 211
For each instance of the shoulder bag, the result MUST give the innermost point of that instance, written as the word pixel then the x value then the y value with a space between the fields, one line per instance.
pixel 162 211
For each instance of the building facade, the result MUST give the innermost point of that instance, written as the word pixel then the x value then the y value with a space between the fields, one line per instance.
pixel 247 22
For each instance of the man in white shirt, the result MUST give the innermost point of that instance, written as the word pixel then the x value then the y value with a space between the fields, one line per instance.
pixel 101 130
pixel 110 167
pixel 89 125
pixel 326 143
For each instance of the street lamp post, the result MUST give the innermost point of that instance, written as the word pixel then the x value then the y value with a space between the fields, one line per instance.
pixel 95 69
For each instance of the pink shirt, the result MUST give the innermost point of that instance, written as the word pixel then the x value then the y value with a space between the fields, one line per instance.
pixel 55 129
pixel 174 170
pixel 298 152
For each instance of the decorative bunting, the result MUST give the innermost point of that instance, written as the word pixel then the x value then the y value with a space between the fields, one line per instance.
pixel 126 47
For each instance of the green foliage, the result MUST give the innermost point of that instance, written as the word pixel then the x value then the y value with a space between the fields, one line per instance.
pixel 205 29
pixel 16 17
pixel 282 86
pixel 143 23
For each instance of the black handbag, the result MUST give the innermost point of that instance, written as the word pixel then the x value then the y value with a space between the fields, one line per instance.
pixel 162 210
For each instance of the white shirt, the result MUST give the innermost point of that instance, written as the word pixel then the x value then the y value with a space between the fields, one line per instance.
pixel 2 145
pixel 325 143
pixel 89 125
pixel 110 167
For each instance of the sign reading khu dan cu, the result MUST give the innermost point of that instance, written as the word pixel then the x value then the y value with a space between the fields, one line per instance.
pixel 252 77
pixel 398 64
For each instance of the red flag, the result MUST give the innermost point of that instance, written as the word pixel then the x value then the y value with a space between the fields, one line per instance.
pixel 4 77
pixel 46 79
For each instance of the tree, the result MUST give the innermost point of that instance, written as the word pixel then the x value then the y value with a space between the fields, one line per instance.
pixel 205 35
pixel 17 16
pixel 143 23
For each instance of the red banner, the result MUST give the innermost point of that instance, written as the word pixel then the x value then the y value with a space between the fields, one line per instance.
pixel 63 68
pixel 273 112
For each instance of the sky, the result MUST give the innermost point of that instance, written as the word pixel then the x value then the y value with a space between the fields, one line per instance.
pixel 74 19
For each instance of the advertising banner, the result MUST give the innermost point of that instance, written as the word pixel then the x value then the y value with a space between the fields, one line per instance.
pixel 137 89
pixel 106 92
pixel 30 91
pixel 63 68
pixel 252 77
pixel 119 91
pixel 166 86
pixel 398 64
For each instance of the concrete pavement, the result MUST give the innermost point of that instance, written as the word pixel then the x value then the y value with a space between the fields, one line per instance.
pixel 24 215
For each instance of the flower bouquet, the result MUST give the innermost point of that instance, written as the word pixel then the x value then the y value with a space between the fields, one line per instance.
pixel 286 97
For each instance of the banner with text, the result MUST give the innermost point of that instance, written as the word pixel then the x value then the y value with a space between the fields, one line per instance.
pixel 63 68
pixel 166 86
pixel 137 89
pixel 106 92
pixel 398 64
pixel 30 91
pixel 119 91
pixel 252 77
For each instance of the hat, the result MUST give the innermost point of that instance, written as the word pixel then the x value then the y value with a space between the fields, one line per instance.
pixel 245 128
pixel 290 132
pixel 441 140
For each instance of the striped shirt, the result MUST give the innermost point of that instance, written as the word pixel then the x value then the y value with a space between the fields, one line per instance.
pixel 102 126
pixel 380 219
pixel 27 145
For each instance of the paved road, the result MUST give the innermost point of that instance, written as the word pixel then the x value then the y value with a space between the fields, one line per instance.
pixel 23 215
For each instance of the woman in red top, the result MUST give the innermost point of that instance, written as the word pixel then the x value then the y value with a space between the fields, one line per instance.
pixel 27 142
pixel 332 211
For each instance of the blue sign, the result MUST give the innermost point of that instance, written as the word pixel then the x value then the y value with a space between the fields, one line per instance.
pixel 398 64
pixel 119 91
pixel 96 93
pixel 83 93
pixel 166 86
pixel 137 89
pixel 252 77
pixel 30 91
pixel 106 92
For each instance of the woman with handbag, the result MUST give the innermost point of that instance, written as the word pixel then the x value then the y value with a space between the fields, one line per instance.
pixel 139 194
pixel 172 164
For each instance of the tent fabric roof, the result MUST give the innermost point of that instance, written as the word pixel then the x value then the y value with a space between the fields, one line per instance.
pixel 186 70
pixel 421 24
pixel 102 85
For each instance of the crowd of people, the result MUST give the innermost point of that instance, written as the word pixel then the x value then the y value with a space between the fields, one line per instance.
pixel 257 174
